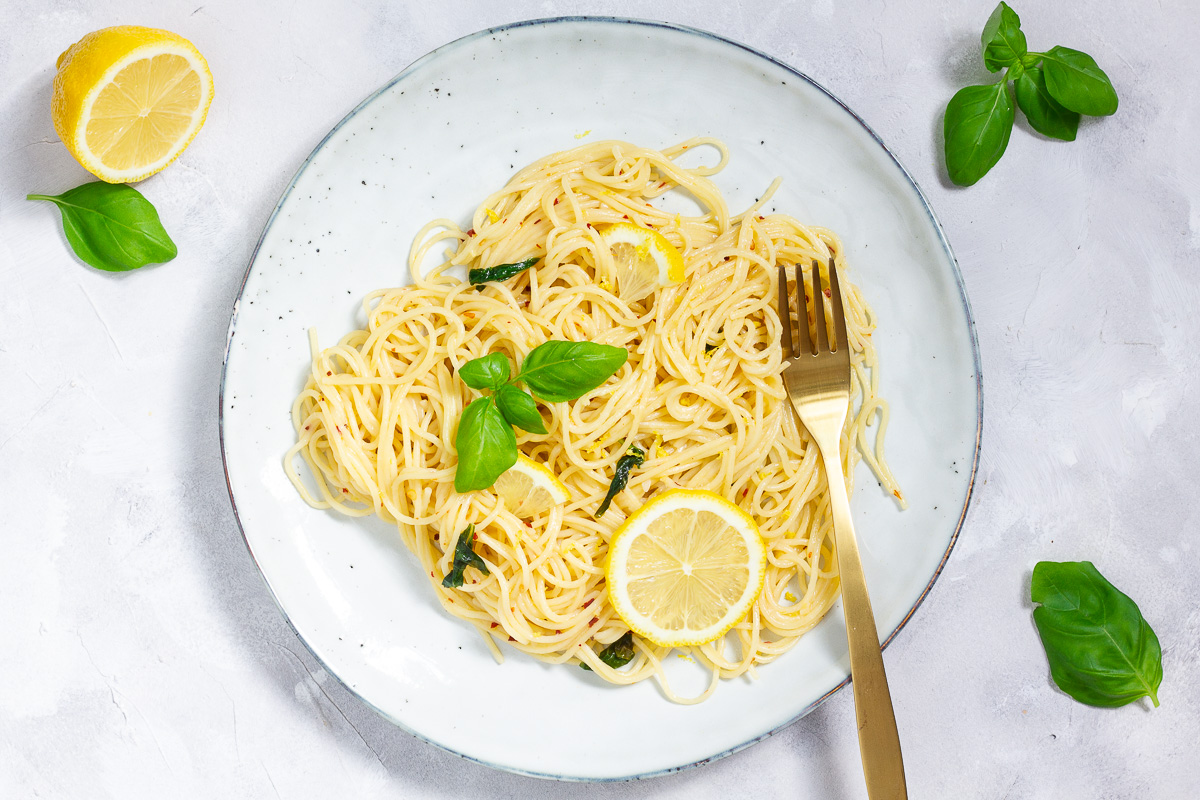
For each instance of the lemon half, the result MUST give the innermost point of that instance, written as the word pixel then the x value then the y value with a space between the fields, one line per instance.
pixel 685 568
pixel 128 100
pixel 644 260
pixel 529 488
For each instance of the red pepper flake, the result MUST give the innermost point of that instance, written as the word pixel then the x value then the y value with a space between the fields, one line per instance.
pixel 558 633
pixel 760 219
pixel 345 491
pixel 556 201
pixel 495 624
pixel 435 536
pixel 538 246
pixel 594 621
pixel 536 221
pixel 589 602
pixel 306 427
pixel 337 428
pixel 431 574
pixel 589 224
pixel 626 216
pixel 511 639
pixel 328 373
pixel 829 293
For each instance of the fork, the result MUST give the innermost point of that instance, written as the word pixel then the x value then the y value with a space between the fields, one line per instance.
pixel 817 379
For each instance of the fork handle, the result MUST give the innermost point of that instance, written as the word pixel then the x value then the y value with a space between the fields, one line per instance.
pixel 878 740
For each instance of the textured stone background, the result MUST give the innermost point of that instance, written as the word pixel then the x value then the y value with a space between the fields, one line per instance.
pixel 141 655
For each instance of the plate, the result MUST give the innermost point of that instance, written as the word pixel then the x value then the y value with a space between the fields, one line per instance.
pixel 433 143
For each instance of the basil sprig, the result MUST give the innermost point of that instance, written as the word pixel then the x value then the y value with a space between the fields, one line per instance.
pixel 500 272
pixel 555 371
pixel 1052 89
pixel 1101 650
pixel 617 654
pixel 112 226
pixel 635 457
pixel 464 556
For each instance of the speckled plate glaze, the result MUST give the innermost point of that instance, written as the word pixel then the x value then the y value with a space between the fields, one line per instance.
pixel 432 143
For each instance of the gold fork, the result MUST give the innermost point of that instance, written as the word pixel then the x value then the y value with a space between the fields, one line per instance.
pixel 818 383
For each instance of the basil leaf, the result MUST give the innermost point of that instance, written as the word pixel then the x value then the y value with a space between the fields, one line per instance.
pixel 1003 41
pixel 978 122
pixel 486 446
pixel 464 556
pixel 519 409
pixel 112 226
pixel 1075 80
pixel 625 464
pixel 557 371
pixel 617 654
pixel 1045 114
pixel 488 372
pixel 500 272
pixel 1100 648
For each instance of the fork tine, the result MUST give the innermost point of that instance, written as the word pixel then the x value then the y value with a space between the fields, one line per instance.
pixel 785 315
pixel 802 304
pixel 819 308
pixel 839 310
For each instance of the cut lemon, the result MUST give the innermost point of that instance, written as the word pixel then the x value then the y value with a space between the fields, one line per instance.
pixel 685 568
pixel 529 488
pixel 643 260
pixel 128 100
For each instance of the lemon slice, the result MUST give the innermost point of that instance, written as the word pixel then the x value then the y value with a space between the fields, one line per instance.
pixel 644 260
pixel 685 568
pixel 128 100
pixel 529 488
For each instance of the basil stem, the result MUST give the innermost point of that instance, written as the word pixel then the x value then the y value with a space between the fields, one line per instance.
pixel 625 464
pixel 500 272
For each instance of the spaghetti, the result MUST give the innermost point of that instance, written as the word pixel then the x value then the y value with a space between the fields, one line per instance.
pixel 701 393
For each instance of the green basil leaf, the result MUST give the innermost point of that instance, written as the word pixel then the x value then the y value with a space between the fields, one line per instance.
pixel 500 272
pixel 1003 40
pixel 978 122
pixel 486 446
pixel 1075 80
pixel 617 654
pixel 635 457
pixel 1100 648
pixel 488 372
pixel 464 556
pixel 1045 114
pixel 519 409
pixel 112 226
pixel 558 371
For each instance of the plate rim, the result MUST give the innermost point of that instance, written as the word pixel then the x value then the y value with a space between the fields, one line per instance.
pixel 675 28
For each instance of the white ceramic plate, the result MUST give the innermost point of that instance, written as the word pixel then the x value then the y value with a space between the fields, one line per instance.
pixel 437 139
